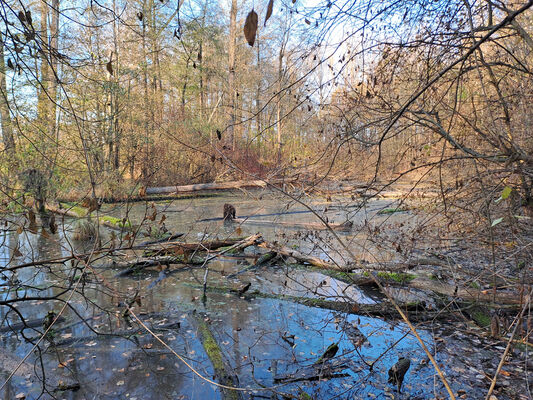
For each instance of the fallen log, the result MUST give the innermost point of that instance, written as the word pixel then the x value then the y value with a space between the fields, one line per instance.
pixel 345 226
pixel 186 249
pixel 260 215
pixel 414 310
pixel 224 373
pixel 163 240
pixel 324 370
pixel 304 258
pixel 470 294
pixel 209 186
pixel 180 248
pixel 142 263
pixel 264 259
pixel 34 323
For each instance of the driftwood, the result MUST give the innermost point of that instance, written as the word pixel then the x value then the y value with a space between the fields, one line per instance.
pixel 470 294
pixel 262 260
pixel 142 263
pixel 345 226
pixel 157 260
pixel 180 248
pixel 317 262
pixel 206 186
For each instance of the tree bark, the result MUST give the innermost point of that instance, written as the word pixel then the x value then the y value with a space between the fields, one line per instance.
pixel 231 65
pixel 7 126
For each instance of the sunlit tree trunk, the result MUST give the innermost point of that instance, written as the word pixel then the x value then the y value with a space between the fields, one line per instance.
pixel 53 73
pixel 278 103
pixel 147 105
pixel 7 126
pixel 231 64
pixel 42 102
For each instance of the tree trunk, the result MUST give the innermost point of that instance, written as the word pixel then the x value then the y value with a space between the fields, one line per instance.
pixel 53 73
pixel 7 126
pixel 42 102
pixel 231 64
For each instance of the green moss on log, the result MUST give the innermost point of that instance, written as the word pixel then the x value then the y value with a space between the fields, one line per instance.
pixel 387 211
pixel 115 221
pixel 400 277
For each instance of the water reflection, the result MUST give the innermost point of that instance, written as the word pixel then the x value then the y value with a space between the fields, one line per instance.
pixel 250 332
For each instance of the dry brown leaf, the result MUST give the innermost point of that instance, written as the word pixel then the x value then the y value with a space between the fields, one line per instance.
pixel 250 27
pixel 109 67
pixel 269 11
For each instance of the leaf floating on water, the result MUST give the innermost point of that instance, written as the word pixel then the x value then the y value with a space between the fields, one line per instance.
pixel 250 27
pixel 269 11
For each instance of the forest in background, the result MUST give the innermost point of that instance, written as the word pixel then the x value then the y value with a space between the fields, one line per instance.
pixel 120 95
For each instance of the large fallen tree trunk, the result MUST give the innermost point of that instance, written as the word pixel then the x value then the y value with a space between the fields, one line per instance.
pixel 138 264
pixel 210 186
pixel 181 248
pixel 471 294
pixel 224 373
pixel 183 251
pixel 345 226
pixel 303 258
pixel 415 311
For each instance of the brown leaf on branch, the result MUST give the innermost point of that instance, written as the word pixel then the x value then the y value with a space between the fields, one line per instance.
pixel 269 11
pixel 250 27
pixel 109 67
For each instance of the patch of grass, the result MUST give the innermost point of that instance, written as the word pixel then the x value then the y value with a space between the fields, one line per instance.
pixel 115 221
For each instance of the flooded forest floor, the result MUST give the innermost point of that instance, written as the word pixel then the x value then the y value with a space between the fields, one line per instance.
pixel 179 304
